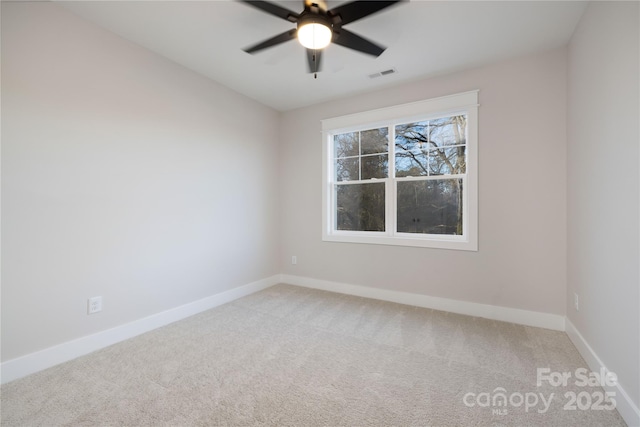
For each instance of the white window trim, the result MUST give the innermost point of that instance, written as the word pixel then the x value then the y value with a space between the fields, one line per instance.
pixel 466 103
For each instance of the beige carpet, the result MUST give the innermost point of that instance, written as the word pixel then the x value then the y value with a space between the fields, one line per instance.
pixel 290 356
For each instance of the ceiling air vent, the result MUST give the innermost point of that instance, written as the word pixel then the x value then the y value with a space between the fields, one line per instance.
pixel 382 73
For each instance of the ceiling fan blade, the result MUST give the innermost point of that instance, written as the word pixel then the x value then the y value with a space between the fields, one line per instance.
pixel 313 60
pixel 353 41
pixel 359 9
pixel 273 9
pixel 280 38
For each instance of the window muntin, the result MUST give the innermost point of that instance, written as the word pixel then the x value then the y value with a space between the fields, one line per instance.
pixel 360 156
pixel 420 190
pixel 422 149
pixel 431 147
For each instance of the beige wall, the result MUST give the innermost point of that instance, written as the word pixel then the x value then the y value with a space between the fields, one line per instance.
pixel 123 175
pixel 521 262
pixel 603 186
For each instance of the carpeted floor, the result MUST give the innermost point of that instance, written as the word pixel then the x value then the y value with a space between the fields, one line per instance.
pixel 290 356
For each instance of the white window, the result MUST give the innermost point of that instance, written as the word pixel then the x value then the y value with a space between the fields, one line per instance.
pixel 404 175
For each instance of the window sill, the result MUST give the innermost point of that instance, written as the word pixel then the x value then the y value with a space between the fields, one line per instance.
pixel 434 242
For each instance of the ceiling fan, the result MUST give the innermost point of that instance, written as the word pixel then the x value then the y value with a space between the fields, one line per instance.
pixel 317 27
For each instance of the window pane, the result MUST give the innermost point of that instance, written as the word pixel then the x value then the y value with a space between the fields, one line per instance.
pixel 448 131
pixel 374 141
pixel 412 136
pixel 375 166
pixel 411 149
pixel 346 144
pixel 447 161
pixel 410 163
pixel 430 206
pixel 360 207
pixel 347 169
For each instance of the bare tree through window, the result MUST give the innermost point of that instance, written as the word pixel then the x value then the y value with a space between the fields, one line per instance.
pixel 433 148
pixel 361 157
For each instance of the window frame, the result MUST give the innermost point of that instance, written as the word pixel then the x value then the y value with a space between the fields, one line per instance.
pixel 463 103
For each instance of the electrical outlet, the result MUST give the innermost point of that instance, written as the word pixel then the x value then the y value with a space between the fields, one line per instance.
pixel 94 305
pixel 294 260
pixel 576 302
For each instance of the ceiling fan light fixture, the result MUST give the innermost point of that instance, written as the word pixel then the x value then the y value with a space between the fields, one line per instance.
pixel 314 35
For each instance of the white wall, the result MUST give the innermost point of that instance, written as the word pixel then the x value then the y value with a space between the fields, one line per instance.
pixel 521 262
pixel 123 175
pixel 603 186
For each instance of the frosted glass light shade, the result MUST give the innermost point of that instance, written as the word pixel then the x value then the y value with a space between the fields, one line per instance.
pixel 314 36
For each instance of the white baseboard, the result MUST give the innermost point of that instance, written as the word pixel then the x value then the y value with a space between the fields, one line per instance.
pixel 34 362
pixel 513 315
pixel 625 406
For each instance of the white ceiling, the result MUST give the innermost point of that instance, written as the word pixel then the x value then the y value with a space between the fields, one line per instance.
pixel 423 38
